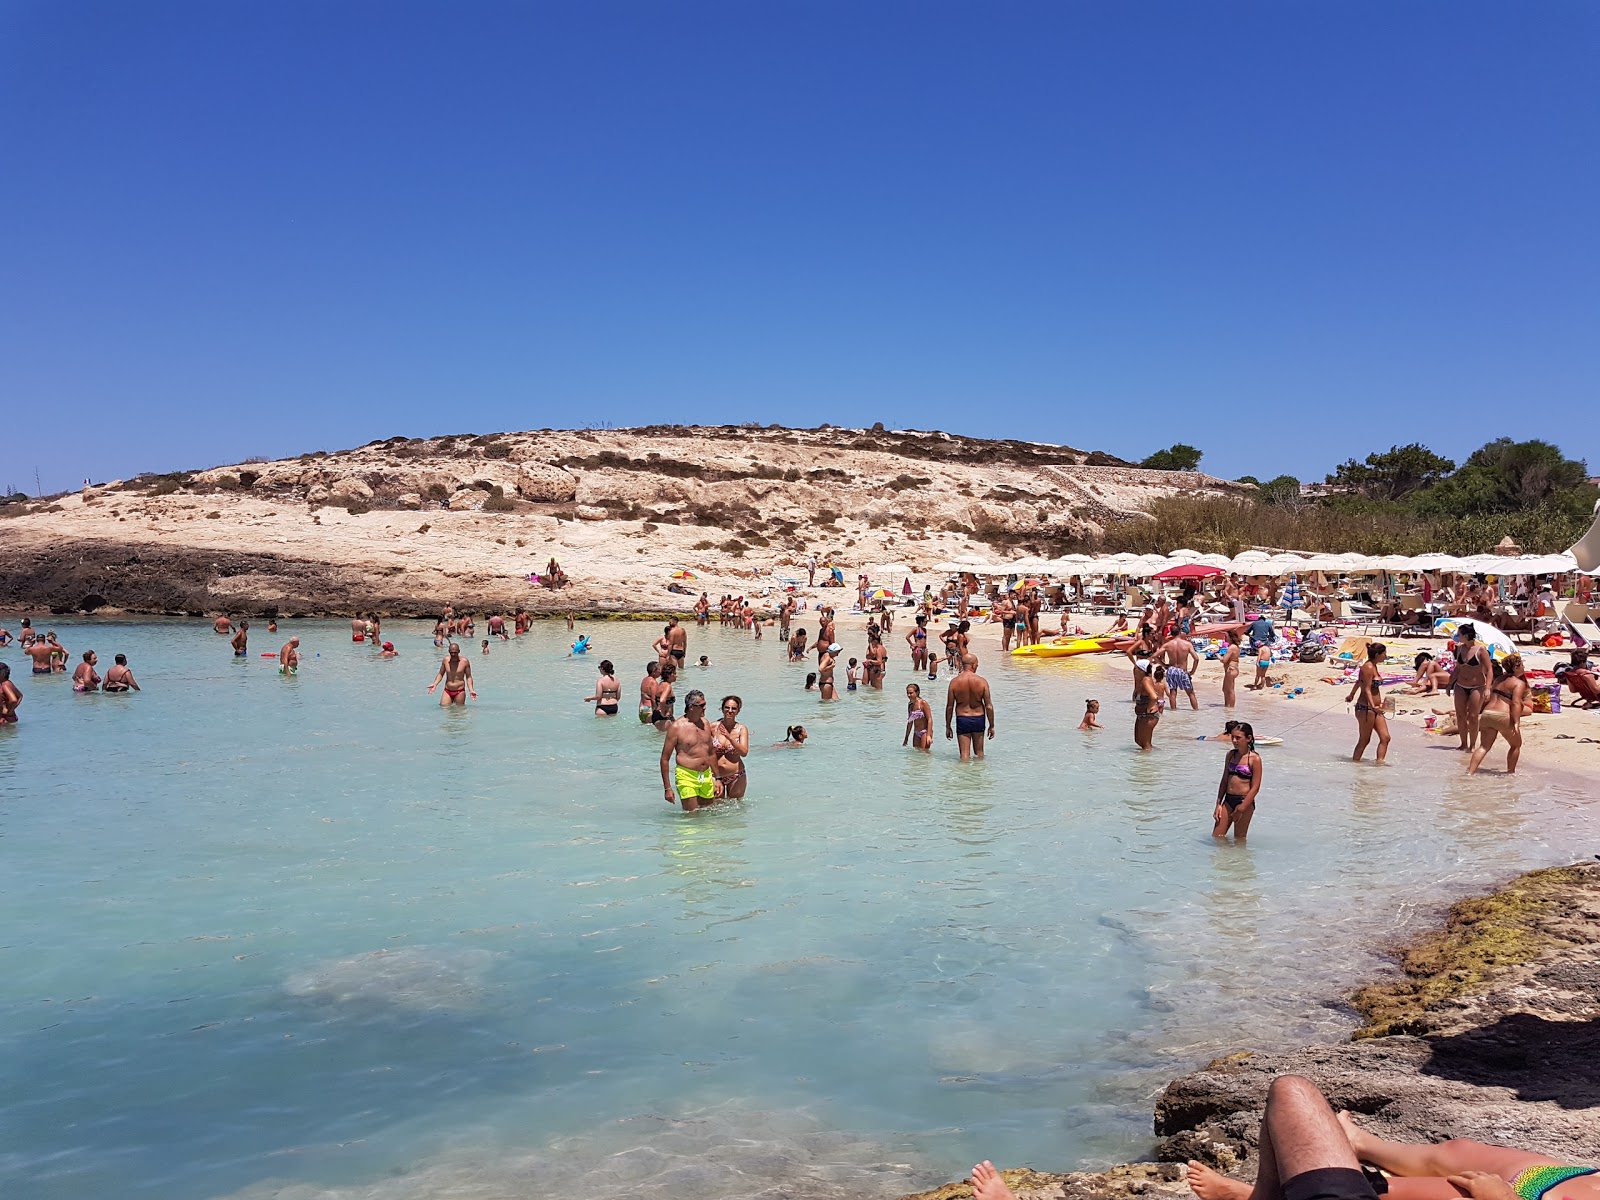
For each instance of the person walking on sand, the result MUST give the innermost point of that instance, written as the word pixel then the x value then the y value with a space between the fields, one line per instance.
pixel 1181 662
pixel 1150 689
pixel 811 570
pixel 10 696
pixel 289 657
pixel 456 673
pixel 607 696
pixel 1241 780
pixel 690 780
pixel 1369 703
pixel 1473 671
pixel 969 710
pixel 1501 715
pixel 241 639
pixel 731 741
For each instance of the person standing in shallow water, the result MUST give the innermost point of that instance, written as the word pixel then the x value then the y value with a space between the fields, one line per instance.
pixel 456 673
pixel 1149 683
pixel 1369 703
pixel 919 719
pixel 970 708
pixel 241 639
pixel 689 780
pixel 1502 715
pixel 10 696
pixel 1241 780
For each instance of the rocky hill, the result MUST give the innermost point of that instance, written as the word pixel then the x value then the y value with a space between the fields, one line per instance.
pixel 408 524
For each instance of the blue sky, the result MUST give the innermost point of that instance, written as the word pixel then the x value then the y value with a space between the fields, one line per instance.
pixel 1285 233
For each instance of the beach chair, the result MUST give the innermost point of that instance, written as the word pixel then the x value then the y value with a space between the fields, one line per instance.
pixel 1579 620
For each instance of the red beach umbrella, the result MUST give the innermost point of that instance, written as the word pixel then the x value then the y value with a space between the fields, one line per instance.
pixel 1189 571
pixel 906 589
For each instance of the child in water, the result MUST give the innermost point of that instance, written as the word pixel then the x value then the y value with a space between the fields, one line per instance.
pixel 852 676
pixel 1091 711
pixel 704 662
pixel 485 649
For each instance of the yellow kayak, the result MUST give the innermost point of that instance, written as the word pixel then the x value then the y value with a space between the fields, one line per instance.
pixel 1067 647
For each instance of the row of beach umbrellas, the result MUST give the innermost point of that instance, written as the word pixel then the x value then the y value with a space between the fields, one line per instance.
pixel 1260 563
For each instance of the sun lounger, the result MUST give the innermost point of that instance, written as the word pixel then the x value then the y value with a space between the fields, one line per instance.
pixel 1579 621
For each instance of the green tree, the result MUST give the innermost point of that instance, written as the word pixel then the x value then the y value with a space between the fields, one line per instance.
pixel 1394 474
pixel 1506 476
pixel 1248 479
pixel 1284 491
pixel 1174 458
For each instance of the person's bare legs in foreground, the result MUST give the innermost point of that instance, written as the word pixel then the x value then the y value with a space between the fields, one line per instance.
pixel 1300 1133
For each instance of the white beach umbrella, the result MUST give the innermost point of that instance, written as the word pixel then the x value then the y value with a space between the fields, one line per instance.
pixel 1287 561
pixel 1214 560
pixel 1250 562
pixel 1397 562
pixel 1178 558
pixel 1437 562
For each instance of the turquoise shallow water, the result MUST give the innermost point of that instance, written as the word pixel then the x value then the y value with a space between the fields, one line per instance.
pixel 316 932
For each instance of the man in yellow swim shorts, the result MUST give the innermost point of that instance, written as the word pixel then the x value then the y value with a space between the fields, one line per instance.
pixel 689 782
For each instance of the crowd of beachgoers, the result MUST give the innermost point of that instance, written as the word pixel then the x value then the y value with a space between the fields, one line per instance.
pixel 1308 1151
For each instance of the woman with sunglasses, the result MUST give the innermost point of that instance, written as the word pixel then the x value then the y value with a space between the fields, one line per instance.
pixel 731 741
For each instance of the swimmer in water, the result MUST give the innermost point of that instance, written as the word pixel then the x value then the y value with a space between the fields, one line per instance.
pixel 794 737
pixel 485 649
pixel 731 742
pixel 86 678
pixel 919 719
pixel 241 639
pixel 1091 710
pixel 119 678
pixel 703 663
pixel 389 651
pixel 811 681
pixel 607 698
pixel 289 657
pixel 456 674
pixel 1241 780
pixel 272 625
pixel 10 697
pixel 58 653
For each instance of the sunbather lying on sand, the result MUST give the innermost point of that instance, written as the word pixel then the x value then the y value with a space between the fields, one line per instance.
pixel 1308 1153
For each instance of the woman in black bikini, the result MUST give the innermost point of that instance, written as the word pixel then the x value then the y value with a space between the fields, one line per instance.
pixel 1241 780
pixel 1369 704
pixel 1149 686
pixel 607 691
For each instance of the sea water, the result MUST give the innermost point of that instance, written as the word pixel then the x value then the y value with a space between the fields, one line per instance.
pixel 315 936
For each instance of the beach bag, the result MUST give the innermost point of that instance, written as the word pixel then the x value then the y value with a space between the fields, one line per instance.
pixel 1312 651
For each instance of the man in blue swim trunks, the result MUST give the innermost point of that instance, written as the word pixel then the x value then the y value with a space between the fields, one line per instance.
pixel 970 708
pixel 1178 653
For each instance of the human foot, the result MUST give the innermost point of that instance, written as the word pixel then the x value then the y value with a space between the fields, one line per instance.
pixel 1209 1185
pixel 987 1184
pixel 1358 1137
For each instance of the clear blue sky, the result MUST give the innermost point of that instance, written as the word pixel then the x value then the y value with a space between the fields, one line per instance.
pixel 1285 233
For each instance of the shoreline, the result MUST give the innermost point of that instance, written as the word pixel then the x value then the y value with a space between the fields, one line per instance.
pixel 1487 1030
